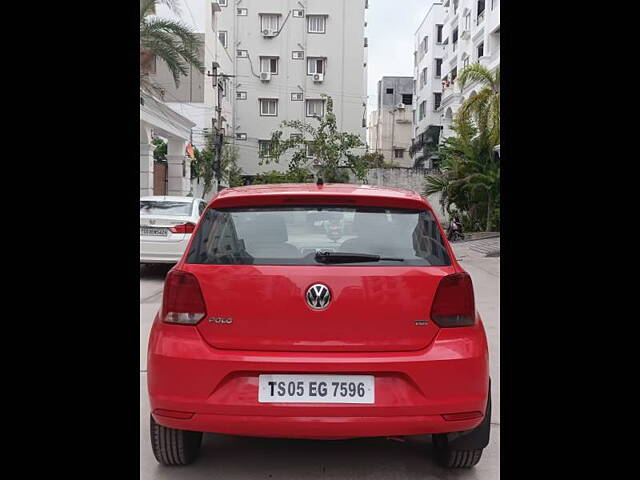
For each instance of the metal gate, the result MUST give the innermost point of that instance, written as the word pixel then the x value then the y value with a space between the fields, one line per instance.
pixel 159 178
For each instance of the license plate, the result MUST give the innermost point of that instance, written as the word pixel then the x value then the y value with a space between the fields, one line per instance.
pixel 153 232
pixel 316 389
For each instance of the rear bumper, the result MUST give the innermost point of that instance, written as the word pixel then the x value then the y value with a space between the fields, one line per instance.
pixel 162 252
pixel 217 390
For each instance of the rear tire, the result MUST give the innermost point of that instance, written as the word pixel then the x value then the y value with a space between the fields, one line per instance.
pixel 453 451
pixel 174 447
pixel 449 457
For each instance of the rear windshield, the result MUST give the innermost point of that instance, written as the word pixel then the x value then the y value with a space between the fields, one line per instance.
pixel 294 236
pixel 154 207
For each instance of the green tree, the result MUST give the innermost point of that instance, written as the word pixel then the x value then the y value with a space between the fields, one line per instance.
pixel 331 149
pixel 470 179
pixel 484 107
pixel 160 152
pixel 203 167
pixel 171 41
pixel 276 176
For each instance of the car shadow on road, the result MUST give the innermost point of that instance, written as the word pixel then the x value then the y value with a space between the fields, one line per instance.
pixel 228 457
pixel 154 271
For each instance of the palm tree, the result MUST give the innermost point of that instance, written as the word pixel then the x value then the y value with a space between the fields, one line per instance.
pixel 470 177
pixel 485 106
pixel 171 41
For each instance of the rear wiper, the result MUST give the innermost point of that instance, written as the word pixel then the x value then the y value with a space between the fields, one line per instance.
pixel 337 257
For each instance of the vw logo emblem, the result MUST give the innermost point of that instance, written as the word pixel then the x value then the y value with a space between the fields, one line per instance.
pixel 318 296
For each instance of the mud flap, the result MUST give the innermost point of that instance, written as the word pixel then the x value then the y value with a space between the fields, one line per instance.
pixel 475 439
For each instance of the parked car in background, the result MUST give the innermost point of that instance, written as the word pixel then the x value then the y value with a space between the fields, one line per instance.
pixel 269 327
pixel 166 225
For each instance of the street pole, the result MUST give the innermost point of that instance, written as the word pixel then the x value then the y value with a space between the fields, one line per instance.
pixel 219 136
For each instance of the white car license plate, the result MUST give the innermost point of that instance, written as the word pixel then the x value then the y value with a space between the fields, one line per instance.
pixel 153 232
pixel 316 389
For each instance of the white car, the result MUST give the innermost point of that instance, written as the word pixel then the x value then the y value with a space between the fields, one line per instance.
pixel 166 225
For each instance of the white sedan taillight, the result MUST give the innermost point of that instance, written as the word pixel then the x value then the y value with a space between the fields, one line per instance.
pixel 182 300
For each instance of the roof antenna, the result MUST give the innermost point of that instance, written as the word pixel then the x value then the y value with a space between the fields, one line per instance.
pixel 320 182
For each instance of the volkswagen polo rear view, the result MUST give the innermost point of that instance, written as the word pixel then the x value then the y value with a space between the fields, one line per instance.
pixel 319 312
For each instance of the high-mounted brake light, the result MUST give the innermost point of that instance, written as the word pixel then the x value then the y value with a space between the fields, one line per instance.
pixel 454 305
pixel 182 300
pixel 183 228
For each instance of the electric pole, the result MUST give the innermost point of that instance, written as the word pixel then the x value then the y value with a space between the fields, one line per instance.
pixel 218 135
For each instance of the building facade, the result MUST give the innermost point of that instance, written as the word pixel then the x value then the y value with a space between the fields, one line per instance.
pixel 428 57
pixel 286 55
pixel 472 35
pixel 390 126
pixel 204 98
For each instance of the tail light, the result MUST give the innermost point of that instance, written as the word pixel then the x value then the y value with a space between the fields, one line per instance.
pixel 183 228
pixel 182 300
pixel 454 305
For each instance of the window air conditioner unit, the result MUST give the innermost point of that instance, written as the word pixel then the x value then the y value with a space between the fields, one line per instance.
pixel 267 32
pixel 265 76
pixel 298 55
pixel 318 77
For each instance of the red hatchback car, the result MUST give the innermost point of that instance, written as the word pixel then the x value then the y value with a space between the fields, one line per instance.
pixel 320 312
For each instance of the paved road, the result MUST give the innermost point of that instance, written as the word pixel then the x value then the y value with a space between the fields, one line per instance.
pixel 231 458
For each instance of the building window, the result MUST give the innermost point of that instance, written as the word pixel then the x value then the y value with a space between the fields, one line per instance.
pixel 243 12
pixel 424 76
pixel 467 21
pixel 389 91
pixel 223 38
pixel 269 22
pixel 407 99
pixel 425 44
pixel 268 107
pixel 438 67
pixel 297 55
pixel 269 65
pixel 398 153
pixel 241 136
pixel 465 62
pixel 316 24
pixel 454 74
pixel 437 98
pixel 315 65
pixel 222 3
pixel 242 53
pixel 480 50
pixel 296 97
pixel 423 110
pixel 480 11
pixel 264 148
pixel 315 108
pixel 241 95
pixel 439 33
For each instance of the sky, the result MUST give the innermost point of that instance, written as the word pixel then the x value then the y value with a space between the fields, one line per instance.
pixel 391 25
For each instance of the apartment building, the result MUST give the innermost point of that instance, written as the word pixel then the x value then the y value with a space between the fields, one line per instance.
pixel 428 56
pixel 390 126
pixel 286 54
pixel 204 98
pixel 472 34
